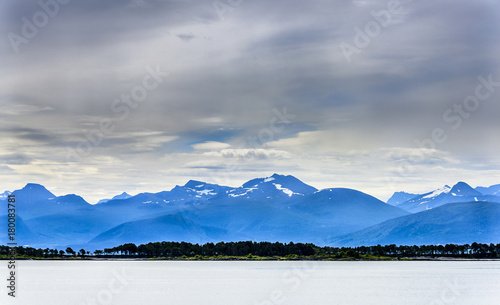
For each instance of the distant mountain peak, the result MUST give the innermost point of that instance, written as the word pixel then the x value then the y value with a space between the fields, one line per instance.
pixel 5 194
pixel 273 186
pixel 400 197
pixel 123 195
pixel 491 190
pixel 278 177
pixel 37 190
pixel 463 189
pixel 462 184
pixel 275 176
pixel 460 192
pixel 194 184
pixel 72 199
pixel 31 186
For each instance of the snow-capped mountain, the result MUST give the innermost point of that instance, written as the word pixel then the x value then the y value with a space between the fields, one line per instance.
pixel 4 195
pixel 461 192
pixel 193 192
pixel 453 223
pixel 197 191
pixel 465 190
pixel 274 187
pixel 276 208
pixel 425 201
pixel 313 217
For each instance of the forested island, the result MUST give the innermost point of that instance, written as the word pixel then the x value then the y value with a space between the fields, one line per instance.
pixel 249 250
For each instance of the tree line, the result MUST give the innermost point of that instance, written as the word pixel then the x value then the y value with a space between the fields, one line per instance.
pixel 173 250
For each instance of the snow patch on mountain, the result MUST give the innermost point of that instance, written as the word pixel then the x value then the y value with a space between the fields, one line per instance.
pixel 289 192
pixel 206 192
pixel 4 195
pixel 444 190
pixel 247 190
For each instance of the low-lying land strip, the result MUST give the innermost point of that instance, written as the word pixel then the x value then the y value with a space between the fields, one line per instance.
pixel 261 251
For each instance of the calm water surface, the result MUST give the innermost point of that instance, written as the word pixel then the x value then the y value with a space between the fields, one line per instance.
pixel 266 283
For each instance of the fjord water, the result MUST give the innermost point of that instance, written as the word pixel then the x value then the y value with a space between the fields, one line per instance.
pixel 250 282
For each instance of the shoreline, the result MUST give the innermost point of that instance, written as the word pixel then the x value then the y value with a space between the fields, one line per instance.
pixel 402 259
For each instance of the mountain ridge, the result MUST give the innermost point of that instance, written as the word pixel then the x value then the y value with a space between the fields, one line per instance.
pixel 275 208
pixel 460 192
pixel 457 223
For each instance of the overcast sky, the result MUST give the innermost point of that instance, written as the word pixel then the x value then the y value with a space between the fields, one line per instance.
pixel 99 97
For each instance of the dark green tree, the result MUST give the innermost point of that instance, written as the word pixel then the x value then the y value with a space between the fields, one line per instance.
pixel 70 251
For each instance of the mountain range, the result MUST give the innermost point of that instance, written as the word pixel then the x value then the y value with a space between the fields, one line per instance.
pixel 277 208
pixel 461 192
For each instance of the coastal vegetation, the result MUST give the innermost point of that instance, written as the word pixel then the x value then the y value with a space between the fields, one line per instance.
pixel 249 250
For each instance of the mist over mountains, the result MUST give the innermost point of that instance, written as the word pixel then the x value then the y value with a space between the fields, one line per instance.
pixel 276 208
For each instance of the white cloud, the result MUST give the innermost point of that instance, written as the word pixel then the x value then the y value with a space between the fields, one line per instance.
pixel 249 153
pixel 302 139
pixel 210 120
pixel 419 155
pixel 210 145
pixel 206 164
pixel 21 109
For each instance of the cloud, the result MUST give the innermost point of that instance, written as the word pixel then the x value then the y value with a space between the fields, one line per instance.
pixel 5 169
pixel 245 153
pixel 210 145
pixel 14 159
pixel 302 139
pixel 206 164
pixel 12 109
pixel 419 156
pixel 186 37
pixel 352 122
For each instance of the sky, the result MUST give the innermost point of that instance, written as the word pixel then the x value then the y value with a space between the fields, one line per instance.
pixel 100 97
